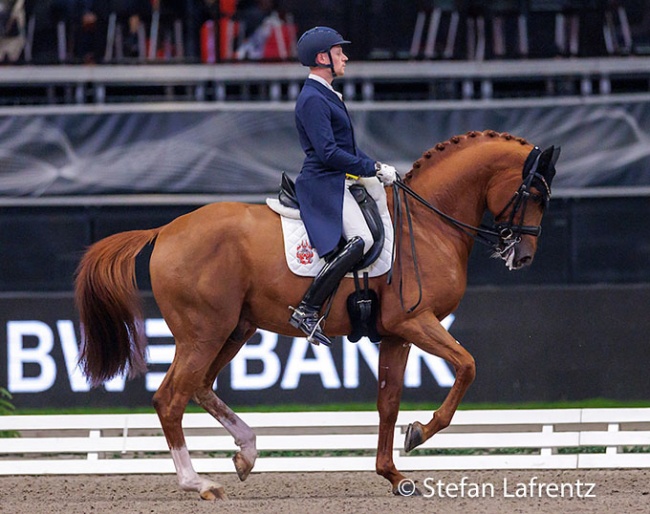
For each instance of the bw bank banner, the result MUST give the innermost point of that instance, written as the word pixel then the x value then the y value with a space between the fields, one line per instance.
pixel 41 353
pixel 530 344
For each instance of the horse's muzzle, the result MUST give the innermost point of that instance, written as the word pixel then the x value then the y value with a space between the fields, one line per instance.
pixel 524 253
pixel 517 253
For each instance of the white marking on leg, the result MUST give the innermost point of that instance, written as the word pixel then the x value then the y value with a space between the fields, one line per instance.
pixel 188 479
pixel 243 434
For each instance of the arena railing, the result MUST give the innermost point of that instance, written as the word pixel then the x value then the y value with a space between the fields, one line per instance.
pixel 326 441
pixel 366 81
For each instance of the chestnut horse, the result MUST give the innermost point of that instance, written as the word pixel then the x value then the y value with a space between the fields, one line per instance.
pixel 219 273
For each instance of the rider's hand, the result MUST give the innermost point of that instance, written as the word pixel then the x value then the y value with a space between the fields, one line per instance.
pixel 386 173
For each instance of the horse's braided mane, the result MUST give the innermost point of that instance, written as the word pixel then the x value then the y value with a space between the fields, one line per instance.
pixel 442 149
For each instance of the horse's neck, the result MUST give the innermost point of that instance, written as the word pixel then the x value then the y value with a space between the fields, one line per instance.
pixel 458 184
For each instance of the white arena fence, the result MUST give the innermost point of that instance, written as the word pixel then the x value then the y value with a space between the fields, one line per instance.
pixel 330 441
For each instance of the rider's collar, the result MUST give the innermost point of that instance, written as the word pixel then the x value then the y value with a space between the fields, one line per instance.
pixel 321 80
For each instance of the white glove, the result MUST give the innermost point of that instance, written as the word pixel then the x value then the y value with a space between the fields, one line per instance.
pixel 386 173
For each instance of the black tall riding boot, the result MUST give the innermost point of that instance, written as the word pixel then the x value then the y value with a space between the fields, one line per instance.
pixel 306 317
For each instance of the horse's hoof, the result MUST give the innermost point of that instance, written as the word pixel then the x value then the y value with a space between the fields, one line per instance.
pixel 406 487
pixel 242 466
pixel 414 436
pixel 214 493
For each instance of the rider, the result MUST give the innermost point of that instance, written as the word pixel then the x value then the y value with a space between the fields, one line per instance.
pixel 333 219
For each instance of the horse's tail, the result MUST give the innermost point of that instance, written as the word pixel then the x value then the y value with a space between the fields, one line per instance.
pixel 110 310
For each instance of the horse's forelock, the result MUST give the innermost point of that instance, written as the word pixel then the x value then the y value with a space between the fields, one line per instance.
pixel 441 150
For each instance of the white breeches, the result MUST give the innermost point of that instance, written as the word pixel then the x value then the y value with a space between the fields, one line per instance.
pixel 354 224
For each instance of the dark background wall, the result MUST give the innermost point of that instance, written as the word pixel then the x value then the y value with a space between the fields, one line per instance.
pixel 584 241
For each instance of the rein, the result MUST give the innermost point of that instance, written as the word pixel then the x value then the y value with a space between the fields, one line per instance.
pixel 500 238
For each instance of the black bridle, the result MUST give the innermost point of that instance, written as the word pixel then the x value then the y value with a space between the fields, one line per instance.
pixel 538 171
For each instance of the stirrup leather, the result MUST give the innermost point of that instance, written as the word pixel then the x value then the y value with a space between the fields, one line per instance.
pixel 309 322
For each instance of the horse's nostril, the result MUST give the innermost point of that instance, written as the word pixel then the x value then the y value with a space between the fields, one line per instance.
pixel 524 261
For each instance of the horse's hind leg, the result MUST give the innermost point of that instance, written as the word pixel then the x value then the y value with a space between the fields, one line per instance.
pixel 244 436
pixel 181 382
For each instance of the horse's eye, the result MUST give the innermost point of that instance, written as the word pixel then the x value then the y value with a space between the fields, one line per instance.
pixel 538 198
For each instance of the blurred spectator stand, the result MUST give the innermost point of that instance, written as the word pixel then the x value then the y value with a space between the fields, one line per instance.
pixel 525 28
pixel 442 15
pixel 126 30
pixel 248 31
pixel 166 39
pixel 213 31
pixel 12 30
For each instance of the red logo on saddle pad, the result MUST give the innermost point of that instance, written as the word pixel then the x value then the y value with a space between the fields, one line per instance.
pixel 304 252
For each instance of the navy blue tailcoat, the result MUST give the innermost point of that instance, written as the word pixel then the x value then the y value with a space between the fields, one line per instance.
pixel 327 138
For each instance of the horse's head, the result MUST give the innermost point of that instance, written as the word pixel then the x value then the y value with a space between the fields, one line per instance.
pixel 518 216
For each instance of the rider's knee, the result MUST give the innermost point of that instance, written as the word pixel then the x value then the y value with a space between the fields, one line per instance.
pixel 368 241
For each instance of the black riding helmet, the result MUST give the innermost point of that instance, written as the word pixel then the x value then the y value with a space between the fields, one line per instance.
pixel 317 40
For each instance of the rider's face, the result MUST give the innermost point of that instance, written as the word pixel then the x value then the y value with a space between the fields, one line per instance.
pixel 338 59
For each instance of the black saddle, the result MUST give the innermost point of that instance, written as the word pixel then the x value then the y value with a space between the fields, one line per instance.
pixel 287 194
pixel 288 198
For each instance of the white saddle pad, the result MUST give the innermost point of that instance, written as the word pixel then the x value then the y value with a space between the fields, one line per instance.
pixel 303 260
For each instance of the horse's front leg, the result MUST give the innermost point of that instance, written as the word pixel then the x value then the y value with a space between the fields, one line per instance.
pixel 393 355
pixel 426 332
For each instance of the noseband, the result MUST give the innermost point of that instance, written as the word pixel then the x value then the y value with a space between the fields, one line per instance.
pixel 538 171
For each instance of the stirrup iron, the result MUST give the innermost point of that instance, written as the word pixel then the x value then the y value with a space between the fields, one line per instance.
pixel 309 323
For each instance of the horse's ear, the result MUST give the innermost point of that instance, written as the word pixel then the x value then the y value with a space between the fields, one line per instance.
pixel 547 161
pixel 556 155
pixel 532 162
